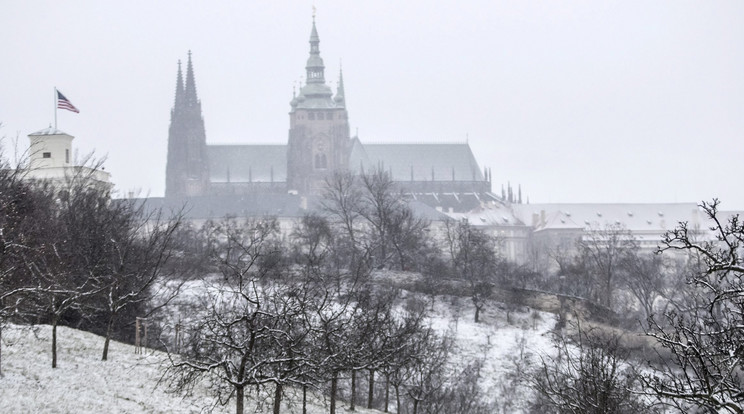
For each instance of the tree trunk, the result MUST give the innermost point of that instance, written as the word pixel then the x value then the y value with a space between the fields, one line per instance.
pixel 397 398
pixel 304 399
pixel 1 350
pixel 477 313
pixel 240 399
pixel 352 406
pixel 387 392
pixel 334 388
pixel 371 393
pixel 278 398
pixel 108 338
pixel 415 406
pixel 55 319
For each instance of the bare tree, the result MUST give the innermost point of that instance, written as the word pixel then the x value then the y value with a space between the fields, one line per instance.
pixel 646 278
pixel 704 338
pixel 22 213
pixel 474 257
pixel 588 373
pixel 231 340
pixel 379 208
pixel 342 201
pixel 409 238
pixel 136 257
pixel 428 372
pixel 463 393
pixel 333 314
pixel 605 249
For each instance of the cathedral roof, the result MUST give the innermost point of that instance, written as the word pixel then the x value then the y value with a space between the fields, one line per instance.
pixel 418 162
pixel 247 163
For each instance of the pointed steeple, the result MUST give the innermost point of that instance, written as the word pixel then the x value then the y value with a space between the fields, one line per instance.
pixel 315 67
pixel 190 89
pixel 519 200
pixel 179 88
pixel 314 38
pixel 340 97
pixel 187 168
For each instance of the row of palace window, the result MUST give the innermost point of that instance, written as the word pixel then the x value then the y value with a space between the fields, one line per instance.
pixel 320 115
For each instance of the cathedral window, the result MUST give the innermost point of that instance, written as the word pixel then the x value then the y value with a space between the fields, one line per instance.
pixel 311 116
pixel 320 116
pixel 46 155
pixel 321 162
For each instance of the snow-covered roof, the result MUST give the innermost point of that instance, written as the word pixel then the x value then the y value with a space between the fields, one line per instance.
pixel 636 217
pixel 49 131
pixel 489 214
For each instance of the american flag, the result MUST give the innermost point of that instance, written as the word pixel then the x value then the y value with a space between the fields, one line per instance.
pixel 64 103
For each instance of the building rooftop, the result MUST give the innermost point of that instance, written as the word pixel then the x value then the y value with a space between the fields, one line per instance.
pixel 49 131
pixel 636 217
pixel 418 162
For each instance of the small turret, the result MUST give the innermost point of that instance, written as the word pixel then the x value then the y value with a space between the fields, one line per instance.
pixel 340 97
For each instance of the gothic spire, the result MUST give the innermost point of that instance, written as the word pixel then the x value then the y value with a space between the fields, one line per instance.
pixel 340 94
pixel 179 87
pixel 190 88
pixel 315 67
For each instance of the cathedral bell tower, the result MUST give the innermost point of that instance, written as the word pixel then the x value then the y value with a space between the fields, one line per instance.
pixel 187 170
pixel 319 141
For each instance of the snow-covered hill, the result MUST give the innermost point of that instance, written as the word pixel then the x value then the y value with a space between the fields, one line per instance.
pixel 128 382
pixel 508 344
pixel 82 383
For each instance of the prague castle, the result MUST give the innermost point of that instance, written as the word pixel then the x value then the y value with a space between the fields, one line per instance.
pixel 442 181
pixel 319 143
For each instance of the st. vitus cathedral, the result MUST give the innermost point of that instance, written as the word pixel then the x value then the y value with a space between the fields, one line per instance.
pixel 319 143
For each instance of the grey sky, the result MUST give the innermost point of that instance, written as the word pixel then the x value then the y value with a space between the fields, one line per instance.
pixel 588 101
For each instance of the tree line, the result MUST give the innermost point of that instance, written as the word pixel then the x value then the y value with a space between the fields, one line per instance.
pixel 71 255
pixel 302 311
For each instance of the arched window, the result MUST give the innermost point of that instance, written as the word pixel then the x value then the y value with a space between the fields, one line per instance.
pixel 321 162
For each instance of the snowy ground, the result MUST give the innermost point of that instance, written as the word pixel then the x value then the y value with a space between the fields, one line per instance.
pixel 82 383
pixel 127 383
pixel 507 345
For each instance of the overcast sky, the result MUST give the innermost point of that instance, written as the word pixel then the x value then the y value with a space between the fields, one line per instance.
pixel 577 101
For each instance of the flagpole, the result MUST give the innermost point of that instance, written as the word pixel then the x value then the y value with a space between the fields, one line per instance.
pixel 55 107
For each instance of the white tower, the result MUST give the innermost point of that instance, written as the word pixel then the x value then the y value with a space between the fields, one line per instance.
pixel 50 158
pixel 50 148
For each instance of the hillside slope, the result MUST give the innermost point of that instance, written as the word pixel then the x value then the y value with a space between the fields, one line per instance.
pixel 506 343
pixel 82 383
